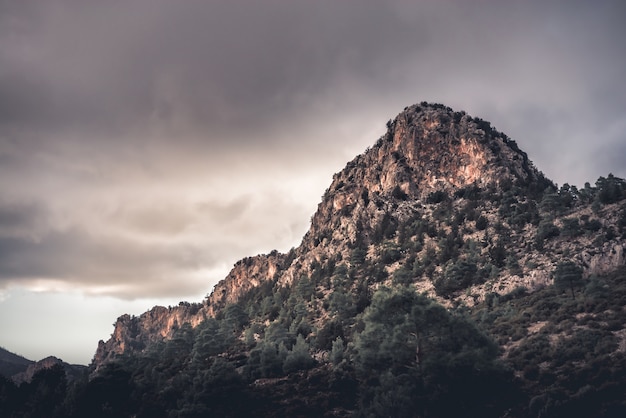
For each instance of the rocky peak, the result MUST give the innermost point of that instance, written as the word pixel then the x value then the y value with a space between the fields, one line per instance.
pixel 427 148
pixel 430 147
pixel 447 150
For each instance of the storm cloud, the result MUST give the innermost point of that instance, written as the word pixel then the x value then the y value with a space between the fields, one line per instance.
pixel 146 145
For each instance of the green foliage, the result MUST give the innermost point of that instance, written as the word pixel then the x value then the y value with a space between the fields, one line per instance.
pixel 211 340
pixel 385 229
pixel 570 365
pixel 44 394
pixel 266 360
pixel 457 276
pixel 235 317
pixel 413 356
pixel 498 253
pixel 341 303
pixel 398 193
pixel 390 253
pixel 108 394
pixel 330 332
pixel 298 358
pixel 571 228
pixel 482 223
pixel 449 246
pixel 567 275
pixel 611 189
pixel 513 266
pixel 437 197
pixel 337 352
pixel 545 231
pixel 402 276
pixel 357 257
pixel 551 203
pixel 592 225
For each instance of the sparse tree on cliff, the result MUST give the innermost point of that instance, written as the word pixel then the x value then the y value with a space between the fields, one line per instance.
pixel 567 275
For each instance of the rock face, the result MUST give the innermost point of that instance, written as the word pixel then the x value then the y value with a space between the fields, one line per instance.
pixel 136 333
pixel 245 275
pixel 417 194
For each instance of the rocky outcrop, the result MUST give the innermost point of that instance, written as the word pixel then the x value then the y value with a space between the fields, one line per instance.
pixel 611 256
pixel 245 275
pixel 135 333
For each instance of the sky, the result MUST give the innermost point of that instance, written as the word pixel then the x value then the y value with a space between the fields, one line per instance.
pixel 147 145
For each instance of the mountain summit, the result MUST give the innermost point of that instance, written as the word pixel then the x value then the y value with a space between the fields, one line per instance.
pixel 440 265
pixel 430 147
pixel 429 150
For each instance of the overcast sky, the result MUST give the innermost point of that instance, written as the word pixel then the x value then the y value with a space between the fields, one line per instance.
pixel 147 145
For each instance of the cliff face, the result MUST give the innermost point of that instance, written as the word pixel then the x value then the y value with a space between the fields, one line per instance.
pixel 245 275
pixel 133 333
pixel 160 323
pixel 440 191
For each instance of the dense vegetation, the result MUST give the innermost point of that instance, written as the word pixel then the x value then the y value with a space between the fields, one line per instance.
pixel 403 355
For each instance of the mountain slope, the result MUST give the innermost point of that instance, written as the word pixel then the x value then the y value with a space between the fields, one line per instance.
pixel 417 280
pixel 11 364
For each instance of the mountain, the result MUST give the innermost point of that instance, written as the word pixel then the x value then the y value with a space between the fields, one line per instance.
pixel 21 370
pixel 11 363
pixel 442 275
pixel 428 151
pixel 72 371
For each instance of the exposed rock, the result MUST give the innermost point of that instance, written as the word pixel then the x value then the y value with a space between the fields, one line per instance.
pixel 135 333
pixel 611 256
pixel 245 275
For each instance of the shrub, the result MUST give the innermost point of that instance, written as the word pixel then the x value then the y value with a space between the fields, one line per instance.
pixel 481 223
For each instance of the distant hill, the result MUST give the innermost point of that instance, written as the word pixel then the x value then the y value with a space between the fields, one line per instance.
pixel 20 369
pixel 72 371
pixel 11 364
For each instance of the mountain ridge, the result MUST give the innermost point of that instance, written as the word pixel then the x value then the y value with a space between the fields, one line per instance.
pixel 21 370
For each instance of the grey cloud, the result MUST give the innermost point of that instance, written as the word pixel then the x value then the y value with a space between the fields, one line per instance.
pixel 211 64
pixel 166 220
pixel 164 138
pixel 19 217
pixel 129 269
pixel 149 249
pixel 225 211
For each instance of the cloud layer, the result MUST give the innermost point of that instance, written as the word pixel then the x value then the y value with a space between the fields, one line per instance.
pixel 146 145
